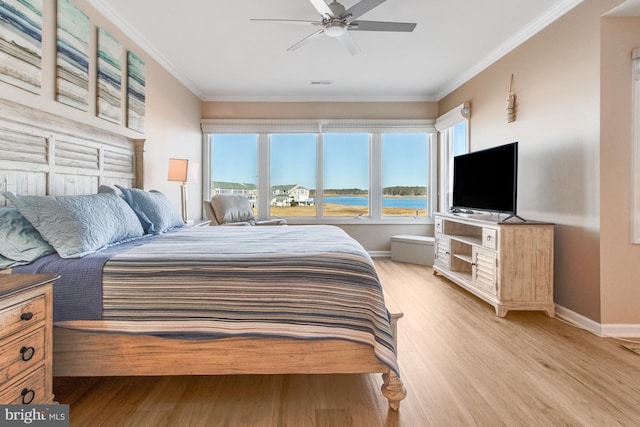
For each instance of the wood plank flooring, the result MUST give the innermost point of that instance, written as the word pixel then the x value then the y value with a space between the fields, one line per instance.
pixel 461 365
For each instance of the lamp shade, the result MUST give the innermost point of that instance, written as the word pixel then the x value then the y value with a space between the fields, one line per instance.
pixel 178 170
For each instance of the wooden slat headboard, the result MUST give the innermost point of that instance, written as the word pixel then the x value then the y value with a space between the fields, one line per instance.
pixel 45 154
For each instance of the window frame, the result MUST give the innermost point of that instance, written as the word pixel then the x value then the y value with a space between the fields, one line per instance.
pixel 264 127
pixel 444 125
pixel 635 147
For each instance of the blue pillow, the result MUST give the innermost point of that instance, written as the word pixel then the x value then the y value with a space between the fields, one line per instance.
pixel 20 242
pixel 79 225
pixel 154 210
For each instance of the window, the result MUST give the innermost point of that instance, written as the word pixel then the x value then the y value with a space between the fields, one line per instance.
pixel 336 171
pixel 292 168
pixel 405 160
pixel 345 178
pixel 454 140
pixel 234 165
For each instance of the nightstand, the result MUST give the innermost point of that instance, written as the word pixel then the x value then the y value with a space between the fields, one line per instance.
pixel 26 326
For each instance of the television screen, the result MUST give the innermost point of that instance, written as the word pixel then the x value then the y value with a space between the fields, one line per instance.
pixel 486 180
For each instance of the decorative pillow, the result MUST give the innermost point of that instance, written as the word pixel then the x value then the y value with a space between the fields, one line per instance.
pixel 154 210
pixel 20 242
pixel 79 225
pixel 108 189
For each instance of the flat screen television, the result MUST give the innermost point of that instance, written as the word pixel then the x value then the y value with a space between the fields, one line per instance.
pixel 486 180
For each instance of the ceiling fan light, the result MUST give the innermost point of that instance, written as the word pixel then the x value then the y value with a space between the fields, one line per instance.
pixel 334 30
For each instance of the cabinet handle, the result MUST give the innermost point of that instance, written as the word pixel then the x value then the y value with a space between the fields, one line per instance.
pixel 27 396
pixel 26 316
pixel 27 353
pixel 488 238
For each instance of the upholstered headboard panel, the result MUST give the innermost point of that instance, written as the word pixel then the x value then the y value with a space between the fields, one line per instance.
pixel 44 154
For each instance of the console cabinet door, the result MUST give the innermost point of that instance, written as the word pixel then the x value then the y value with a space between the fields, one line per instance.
pixel 484 270
pixel 442 252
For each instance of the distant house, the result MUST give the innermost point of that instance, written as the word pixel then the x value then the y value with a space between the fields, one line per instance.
pixel 282 195
pixel 221 187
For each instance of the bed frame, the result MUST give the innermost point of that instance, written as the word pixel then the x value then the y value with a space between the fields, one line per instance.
pixel 45 154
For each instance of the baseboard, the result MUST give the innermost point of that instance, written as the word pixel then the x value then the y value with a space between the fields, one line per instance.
pixel 380 254
pixel 578 320
pixel 622 330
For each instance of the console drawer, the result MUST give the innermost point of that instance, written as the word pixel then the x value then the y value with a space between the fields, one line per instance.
pixel 489 238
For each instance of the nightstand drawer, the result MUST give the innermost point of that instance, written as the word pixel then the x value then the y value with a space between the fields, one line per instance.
pixel 26 390
pixel 21 353
pixel 21 316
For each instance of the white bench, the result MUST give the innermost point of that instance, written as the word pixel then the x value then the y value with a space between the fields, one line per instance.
pixel 412 249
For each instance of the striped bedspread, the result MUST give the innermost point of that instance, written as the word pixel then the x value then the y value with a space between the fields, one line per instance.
pixel 303 282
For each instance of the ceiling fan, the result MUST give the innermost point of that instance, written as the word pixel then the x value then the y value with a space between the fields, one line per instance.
pixel 338 22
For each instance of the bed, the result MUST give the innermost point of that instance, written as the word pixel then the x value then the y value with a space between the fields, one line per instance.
pixel 225 300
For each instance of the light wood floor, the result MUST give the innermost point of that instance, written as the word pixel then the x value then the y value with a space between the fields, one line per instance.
pixel 462 366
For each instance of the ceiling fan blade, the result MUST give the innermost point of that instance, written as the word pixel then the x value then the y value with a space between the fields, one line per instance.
pixel 322 8
pixel 287 21
pixel 306 40
pixel 361 8
pixel 349 43
pixel 381 26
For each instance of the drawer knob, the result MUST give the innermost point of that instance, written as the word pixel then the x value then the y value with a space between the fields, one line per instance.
pixel 27 396
pixel 27 353
pixel 26 316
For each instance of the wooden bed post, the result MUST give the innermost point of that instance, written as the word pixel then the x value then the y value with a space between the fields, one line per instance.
pixel 393 389
pixel 138 167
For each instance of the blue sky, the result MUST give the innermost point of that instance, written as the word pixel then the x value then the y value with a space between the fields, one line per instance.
pixel 346 162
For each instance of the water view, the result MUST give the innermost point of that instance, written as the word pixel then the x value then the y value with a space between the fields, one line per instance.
pixel 387 202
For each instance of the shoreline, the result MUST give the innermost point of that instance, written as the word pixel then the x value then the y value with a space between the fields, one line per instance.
pixel 334 209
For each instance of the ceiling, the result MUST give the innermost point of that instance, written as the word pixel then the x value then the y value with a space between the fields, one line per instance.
pixel 214 49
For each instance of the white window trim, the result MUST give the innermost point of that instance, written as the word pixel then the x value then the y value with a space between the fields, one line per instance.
pixel 264 127
pixel 453 117
pixel 444 124
pixel 635 149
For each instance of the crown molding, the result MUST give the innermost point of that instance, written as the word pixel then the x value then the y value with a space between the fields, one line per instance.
pixel 105 9
pixel 534 27
pixel 315 98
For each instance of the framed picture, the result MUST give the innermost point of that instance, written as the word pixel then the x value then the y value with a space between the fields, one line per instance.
pixel 72 81
pixel 21 43
pixel 135 92
pixel 109 77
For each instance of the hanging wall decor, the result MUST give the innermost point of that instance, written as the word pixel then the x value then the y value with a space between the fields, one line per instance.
pixel 135 92
pixel 511 103
pixel 21 43
pixel 109 77
pixel 72 82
